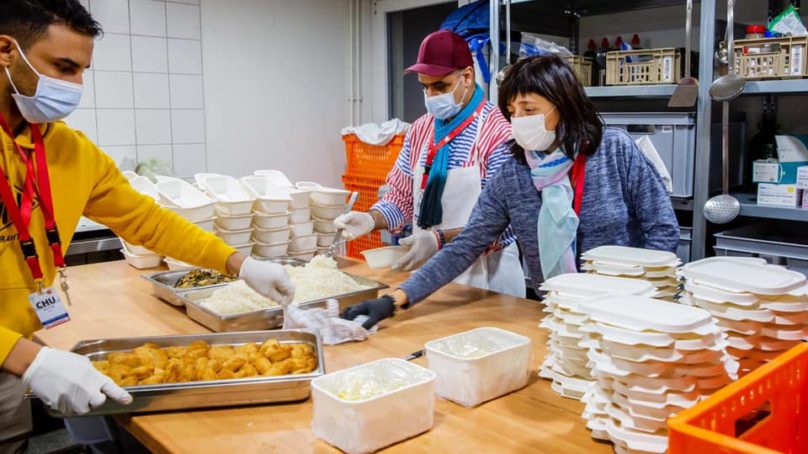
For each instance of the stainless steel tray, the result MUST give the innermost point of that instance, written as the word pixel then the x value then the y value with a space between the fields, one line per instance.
pixel 219 393
pixel 247 321
pixel 163 284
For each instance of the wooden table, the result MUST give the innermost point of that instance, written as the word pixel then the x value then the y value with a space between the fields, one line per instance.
pixel 110 300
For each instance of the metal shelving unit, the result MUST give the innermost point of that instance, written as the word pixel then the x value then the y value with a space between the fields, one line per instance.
pixel 750 208
pixel 793 86
pixel 703 108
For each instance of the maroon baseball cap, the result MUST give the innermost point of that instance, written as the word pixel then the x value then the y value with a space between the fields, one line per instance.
pixel 441 53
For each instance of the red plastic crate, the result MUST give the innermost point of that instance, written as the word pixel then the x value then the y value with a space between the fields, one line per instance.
pixel 371 161
pixel 368 189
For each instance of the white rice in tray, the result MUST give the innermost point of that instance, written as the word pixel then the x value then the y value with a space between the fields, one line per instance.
pixel 236 298
pixel 319 279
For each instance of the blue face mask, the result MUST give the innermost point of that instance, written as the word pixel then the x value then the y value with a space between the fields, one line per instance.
pixel 54 99
pixel 444 106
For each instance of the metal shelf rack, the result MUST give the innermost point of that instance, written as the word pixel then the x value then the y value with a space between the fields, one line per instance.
pixel 703 108
pixel 750 208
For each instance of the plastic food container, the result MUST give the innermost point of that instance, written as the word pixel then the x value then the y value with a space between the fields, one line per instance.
pixel 583 285
pixel 269 198
pixel 272 236
pixel 196 214
pixel 276 177
pixel 145 186
pixel 302 229
pixel 641 314
pixel 404 407
pixel 271 250
pixel 328 196
pixel 206 225
pixel 479 365
pixel 744 276
pixel 325 239
pixel 324 226
pixel 621 255
pixel 270 221
pixel 303 243
pixel 135 250
pixel 327 212
pixel 142 262
pixel 245 248
pixel 300 215
pixel 242 222
pixel 235 237
pixel 174 264
pixel 384 257
pixel 231 197
pixel 184 199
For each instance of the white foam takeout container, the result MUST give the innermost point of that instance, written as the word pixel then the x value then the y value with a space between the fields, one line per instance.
pixel 744 276
pixel 586 285
pixel 270 221
pixel 324 226
pixel 300 215
pixel 272 236
pixel 235 237
pixel 276 177
pixel 303 243
pixel 145 186
pixel 470 381
pixel 142 262
pixel 642 314
pixel 269 198
pixel 329 196
pixel 241 222
pixel 185 200
pixel 271 251
pixel 302 229
pixel 207 225
pixel 231 197
pixel 365 426
pixel 174 264
pixel 628 256
pixel 384 257
pixel 327 212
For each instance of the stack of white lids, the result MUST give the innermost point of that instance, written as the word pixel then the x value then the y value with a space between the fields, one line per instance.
pixel 763 309
pixel 657 267
pixel 566 361
pixel 651 359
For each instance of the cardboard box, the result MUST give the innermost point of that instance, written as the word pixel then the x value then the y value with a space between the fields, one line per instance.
pixel 792 153
pixel 766 171
pixel 781 195
pixel 802 177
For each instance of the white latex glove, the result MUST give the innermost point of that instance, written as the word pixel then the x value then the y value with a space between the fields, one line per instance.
pixel 68 383
pixel 268 279
pixel 355 224
pixel 423 245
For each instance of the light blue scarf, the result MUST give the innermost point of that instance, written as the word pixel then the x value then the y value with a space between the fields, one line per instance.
pixel 558 223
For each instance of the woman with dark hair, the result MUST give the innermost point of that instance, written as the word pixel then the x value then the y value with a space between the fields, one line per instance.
pixel 572 185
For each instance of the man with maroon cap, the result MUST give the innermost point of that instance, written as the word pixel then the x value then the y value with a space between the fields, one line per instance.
pixel 448 156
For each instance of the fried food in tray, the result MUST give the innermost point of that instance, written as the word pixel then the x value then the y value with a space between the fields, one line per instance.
pixel 150 364
pixel 202 278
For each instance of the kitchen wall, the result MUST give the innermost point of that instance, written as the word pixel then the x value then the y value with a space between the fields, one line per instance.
pixel 276 86
pixel 144 95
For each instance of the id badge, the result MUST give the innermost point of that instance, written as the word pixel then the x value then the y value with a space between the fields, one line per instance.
pixel 49 307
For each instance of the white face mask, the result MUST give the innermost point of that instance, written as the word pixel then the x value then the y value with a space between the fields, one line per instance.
pixel 444 106
pixel 531 133
pixel 54 99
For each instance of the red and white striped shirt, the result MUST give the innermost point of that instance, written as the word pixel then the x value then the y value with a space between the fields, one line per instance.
pixel 491 151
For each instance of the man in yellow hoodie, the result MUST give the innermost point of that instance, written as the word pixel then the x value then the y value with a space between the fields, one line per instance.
pixel 50 175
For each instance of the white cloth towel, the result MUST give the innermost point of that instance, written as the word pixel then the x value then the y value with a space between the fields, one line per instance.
pixel 375 134
pixel 333 329
pixel 650 151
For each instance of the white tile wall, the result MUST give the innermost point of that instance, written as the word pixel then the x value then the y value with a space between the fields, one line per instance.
pixel 149 54
pixel 113 90
pixel 151 91
pixel 148 17
pixel 113 53
pixel 187 92
pixel 183 21
pixel 144 96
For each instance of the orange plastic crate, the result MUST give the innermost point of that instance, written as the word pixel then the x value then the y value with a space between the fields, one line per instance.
pixel 779 388
pixel 374 161
pixel 368 189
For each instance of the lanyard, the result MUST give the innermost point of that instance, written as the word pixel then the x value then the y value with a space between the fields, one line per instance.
pixel 577 178
pixel 433 149
pixel 37 183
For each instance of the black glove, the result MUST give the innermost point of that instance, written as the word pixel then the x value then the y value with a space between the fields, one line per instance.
pixel 376 311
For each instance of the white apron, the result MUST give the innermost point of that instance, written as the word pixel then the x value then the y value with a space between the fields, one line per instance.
pixel 500 271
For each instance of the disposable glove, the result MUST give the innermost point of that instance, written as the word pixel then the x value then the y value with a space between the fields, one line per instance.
pixel 268 279
pixel 423 245
pixel 375 311
pixel 355 224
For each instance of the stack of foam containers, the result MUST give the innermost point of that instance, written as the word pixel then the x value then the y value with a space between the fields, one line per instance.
pixel 657 267
pixel 566 363
pixel 651 359
pixel 272 211
pixel 326 205
pixel 138 256
pixel 762 308
pixel 187 201
pixel 233 206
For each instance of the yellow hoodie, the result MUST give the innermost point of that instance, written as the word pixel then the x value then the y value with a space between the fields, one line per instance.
pixel 84 181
